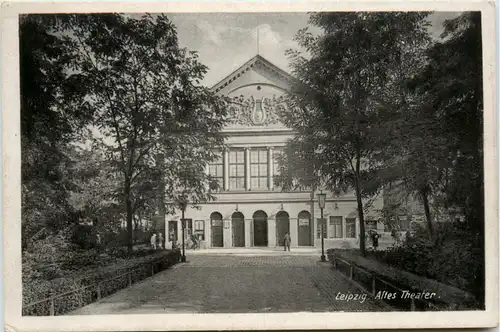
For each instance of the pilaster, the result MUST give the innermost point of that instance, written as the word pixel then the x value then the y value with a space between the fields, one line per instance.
pixel 247 169
pixel 270 168
pixel 227 231
pixel 226 169
pixel 271 232
pixel 248 233
pixel 294 233
pixel 208 233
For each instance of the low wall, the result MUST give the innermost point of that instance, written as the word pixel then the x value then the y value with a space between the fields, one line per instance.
pixel 400 289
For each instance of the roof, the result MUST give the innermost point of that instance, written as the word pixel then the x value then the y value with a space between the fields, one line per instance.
pixel 256 61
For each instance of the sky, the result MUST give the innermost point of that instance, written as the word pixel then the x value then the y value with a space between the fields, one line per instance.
pixel 225 41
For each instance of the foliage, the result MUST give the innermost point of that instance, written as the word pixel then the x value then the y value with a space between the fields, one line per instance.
pixel 50 118
pixel 108 277
pixel 341 99
pixel 451 258
pixel 156 122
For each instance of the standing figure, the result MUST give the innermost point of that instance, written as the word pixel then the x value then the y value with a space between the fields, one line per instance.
pixel 160 240
pixel 287 241
pixel 375 237
pixel 153 241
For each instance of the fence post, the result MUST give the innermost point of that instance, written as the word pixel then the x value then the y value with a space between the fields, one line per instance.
pixel 373 286
pixel 350 271
pixel 334 261
pixel 52 306
pixel 129 278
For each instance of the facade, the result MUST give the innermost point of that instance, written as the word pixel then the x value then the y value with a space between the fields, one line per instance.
pixel 250 210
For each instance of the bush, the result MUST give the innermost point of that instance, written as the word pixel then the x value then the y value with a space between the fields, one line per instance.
pixel 84 236
pixel 113 277
pixel 452 258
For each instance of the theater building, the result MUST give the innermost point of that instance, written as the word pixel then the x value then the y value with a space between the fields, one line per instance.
pixel 251 210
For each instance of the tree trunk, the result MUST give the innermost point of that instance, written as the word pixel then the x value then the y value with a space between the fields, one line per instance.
pixel 128 205
pixel 362 246
pixel 428 217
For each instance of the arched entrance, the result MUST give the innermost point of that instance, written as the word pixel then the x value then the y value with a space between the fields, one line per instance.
pixel 238 221
pixel 304 229
pixel 282 227
pixel 217 230
pixel 260 229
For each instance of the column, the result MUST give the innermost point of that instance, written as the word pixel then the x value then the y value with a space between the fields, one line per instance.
pixel 248 233
pixel 247 168
pixel 226 169
pixel 270 168
pixel 294 233
pixel 271 232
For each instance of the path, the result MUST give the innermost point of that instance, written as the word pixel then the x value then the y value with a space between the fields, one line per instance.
pixel 237 284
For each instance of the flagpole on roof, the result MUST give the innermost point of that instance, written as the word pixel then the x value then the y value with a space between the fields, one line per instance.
pixel 257 40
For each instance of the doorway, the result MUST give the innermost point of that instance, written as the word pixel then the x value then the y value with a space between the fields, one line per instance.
pixel 217 230
pixel 238 221
pixel 304 229
pixel 282 227
pixel 260 229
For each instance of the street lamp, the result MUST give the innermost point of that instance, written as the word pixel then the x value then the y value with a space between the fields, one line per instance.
pixel 321 203
pixel 183 205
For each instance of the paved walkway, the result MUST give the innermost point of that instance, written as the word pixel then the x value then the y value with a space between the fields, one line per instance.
pixel 237 284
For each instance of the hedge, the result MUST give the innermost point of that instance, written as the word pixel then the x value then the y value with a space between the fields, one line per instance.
pixel 62 295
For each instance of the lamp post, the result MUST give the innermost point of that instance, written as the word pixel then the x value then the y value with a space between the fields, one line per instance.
pixel 321 203
pixel 183 204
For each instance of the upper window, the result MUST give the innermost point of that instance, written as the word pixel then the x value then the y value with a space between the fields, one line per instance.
pixel 258 168
pixel 236 169
pixel 215 170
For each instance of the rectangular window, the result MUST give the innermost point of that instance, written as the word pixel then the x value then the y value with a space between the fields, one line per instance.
pixel 350 227
pixel 199 229
pixel 258 169
pixel 318 229
pixel 236 169
pixel 404 223
pixel 216 170
pixel 335 227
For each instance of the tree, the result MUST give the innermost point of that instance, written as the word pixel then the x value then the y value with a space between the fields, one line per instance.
pixel 50 119
pixel 146 91
pixel 451 86
pixel 344 83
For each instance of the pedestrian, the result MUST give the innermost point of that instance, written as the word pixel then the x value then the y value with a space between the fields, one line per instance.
pixel 160 240
pixel 375 237
pixel 287 241
pixel 153 241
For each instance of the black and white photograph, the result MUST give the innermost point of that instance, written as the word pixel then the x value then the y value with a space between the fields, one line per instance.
pixel 253 163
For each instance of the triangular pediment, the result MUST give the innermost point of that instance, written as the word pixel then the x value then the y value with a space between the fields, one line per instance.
pixel 254 71
pixel 257 91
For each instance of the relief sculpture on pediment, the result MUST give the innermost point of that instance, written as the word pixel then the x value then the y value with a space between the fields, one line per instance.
pixel 257 112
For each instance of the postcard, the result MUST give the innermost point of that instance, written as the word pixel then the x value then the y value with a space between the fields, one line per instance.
pixel 191 166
